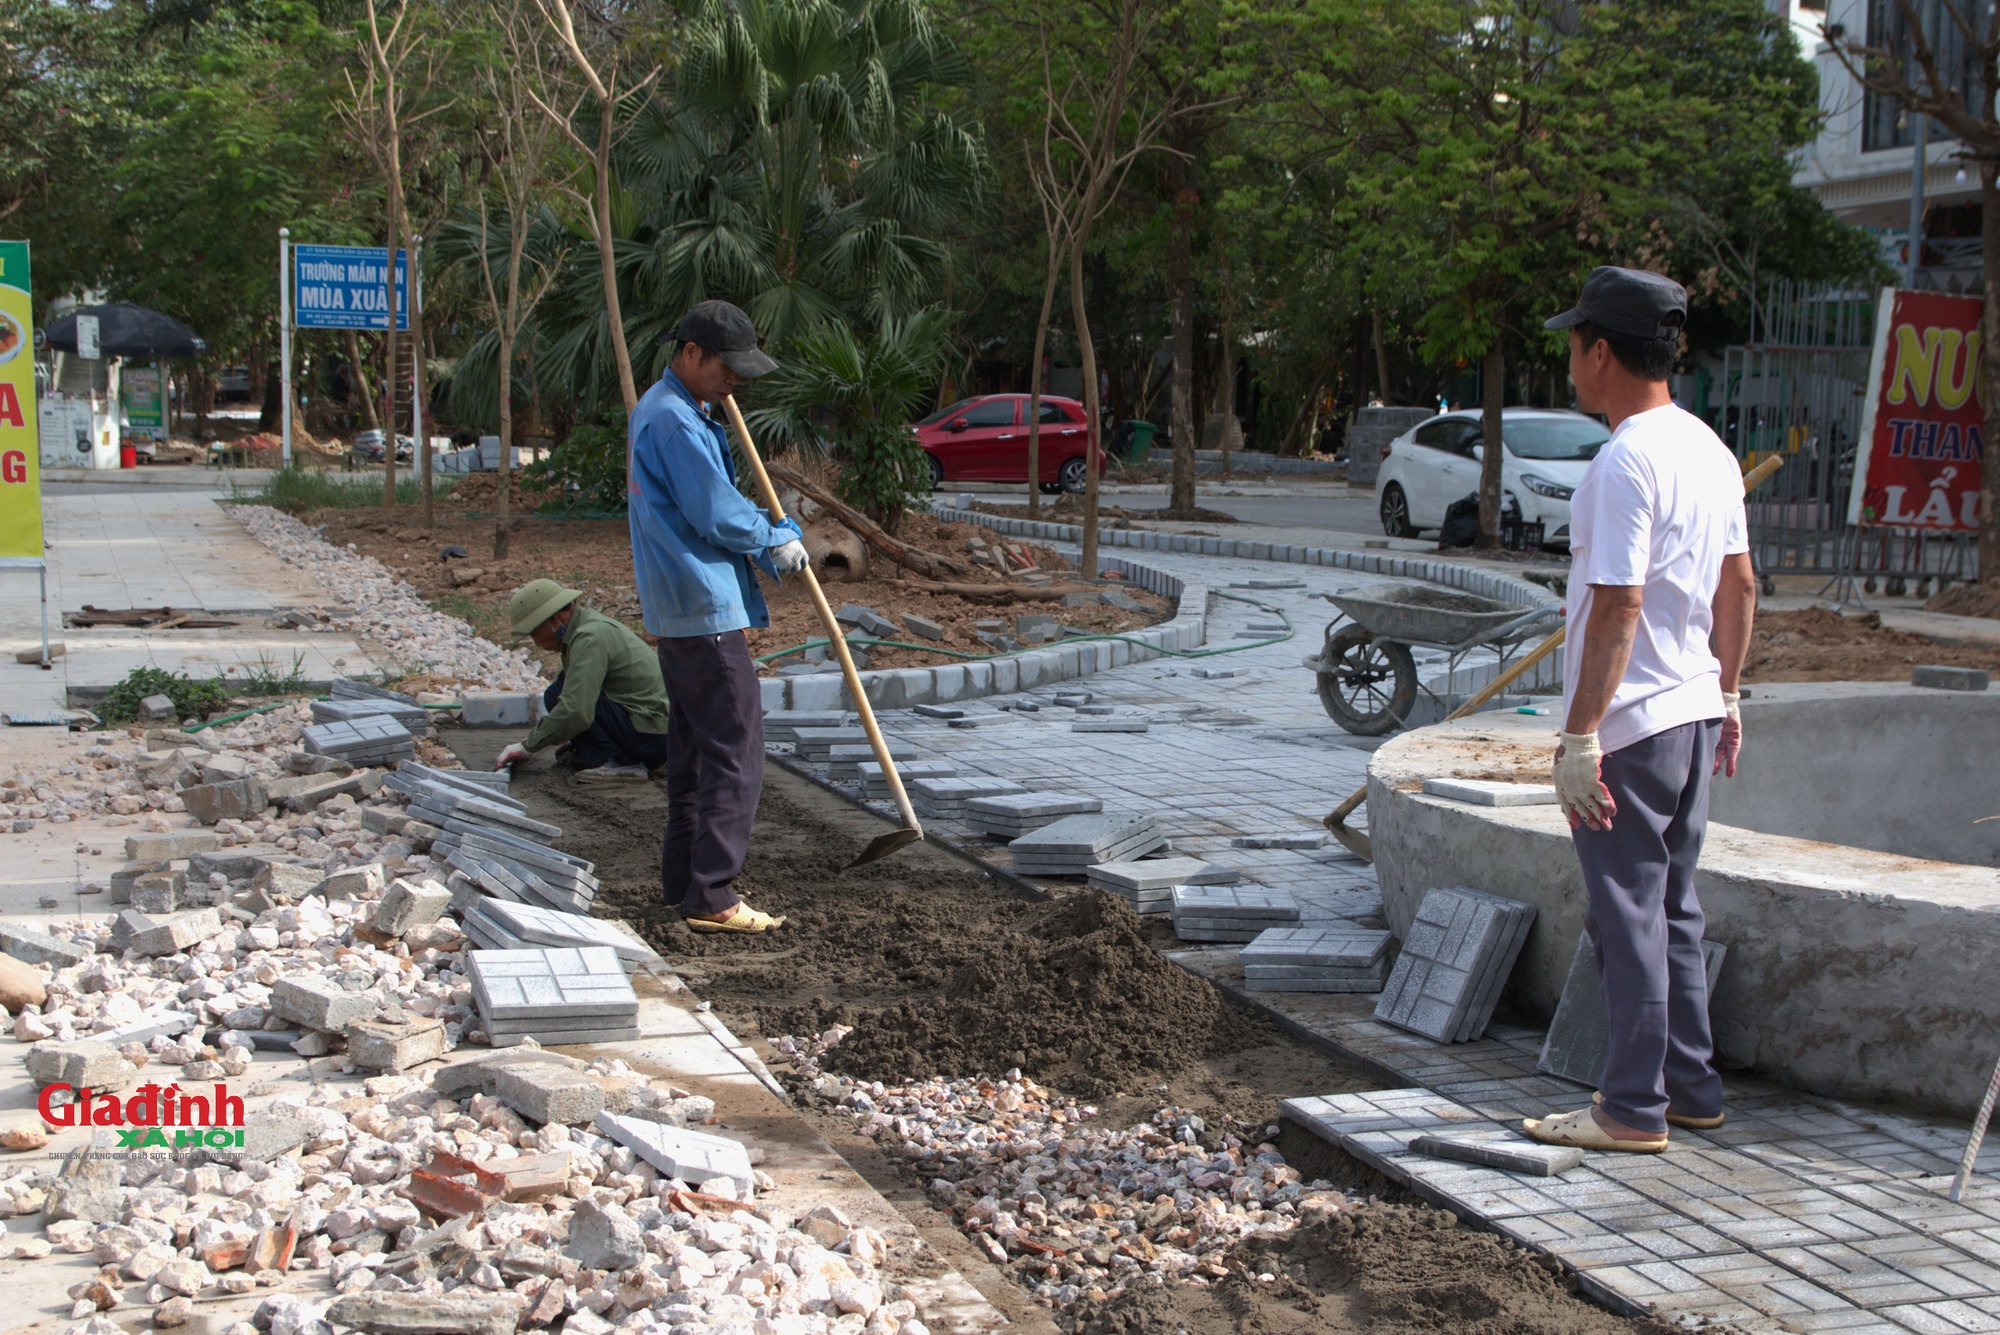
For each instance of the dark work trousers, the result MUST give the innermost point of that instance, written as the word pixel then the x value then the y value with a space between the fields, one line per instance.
pixel 610 739
pixel 1646 923
pixel 715 768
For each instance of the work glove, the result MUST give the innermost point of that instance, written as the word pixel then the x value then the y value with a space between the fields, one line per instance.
pixel 511 757
pixel 1730 744
pixel 780 558
pixel 1579 789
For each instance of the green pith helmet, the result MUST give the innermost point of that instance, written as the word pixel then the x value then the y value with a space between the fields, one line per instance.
pixel 537 601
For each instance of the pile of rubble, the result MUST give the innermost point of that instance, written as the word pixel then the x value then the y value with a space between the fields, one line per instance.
pixel 483 1196
pixel 1074 1210
pixel 372 604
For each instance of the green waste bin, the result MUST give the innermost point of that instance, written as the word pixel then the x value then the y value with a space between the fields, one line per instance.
pixel 1138 434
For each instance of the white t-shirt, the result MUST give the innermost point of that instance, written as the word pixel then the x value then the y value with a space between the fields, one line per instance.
pixel 1659 507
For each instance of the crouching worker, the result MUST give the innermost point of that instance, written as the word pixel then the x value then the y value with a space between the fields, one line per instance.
pixel 608 704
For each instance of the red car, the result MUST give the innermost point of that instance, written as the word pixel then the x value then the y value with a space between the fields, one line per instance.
pixel 986 440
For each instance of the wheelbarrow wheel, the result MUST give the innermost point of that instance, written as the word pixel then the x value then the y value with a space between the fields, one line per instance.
pixel 1367 688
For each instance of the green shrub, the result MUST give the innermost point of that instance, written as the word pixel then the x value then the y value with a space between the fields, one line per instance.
pixel 585 474
pixel 299 491
pixel 192 699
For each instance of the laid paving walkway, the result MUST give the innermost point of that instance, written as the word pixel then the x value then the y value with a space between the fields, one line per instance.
pixel 157 546
pixel 1801 1213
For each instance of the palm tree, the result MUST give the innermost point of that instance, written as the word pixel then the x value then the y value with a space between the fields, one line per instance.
pixel 796 166
pixel 855 394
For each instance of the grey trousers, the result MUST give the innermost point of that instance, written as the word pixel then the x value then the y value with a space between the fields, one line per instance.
pixel 1646 924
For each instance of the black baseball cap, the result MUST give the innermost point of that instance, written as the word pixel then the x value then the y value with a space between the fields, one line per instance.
pixel 726 330
pixel 1635 302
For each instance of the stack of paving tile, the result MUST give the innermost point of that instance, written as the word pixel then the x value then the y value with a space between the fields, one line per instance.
pixel 1456 958
pixel 945 797
pixel 441 804
pixel 520 870
pixel 1231 912
pixel 478 780
pixel 813 744
pixel 496 874
pixel 845 761
pixel 1072 845
pixel 373 739
pixel 873 784
pixel 1580 1033
pixel 415 718
pixel 345 689
pixel 495 924
pixel 554 996
pixel 1340 958
pixel 1014 814
pixel 1148 886
pixel 782 725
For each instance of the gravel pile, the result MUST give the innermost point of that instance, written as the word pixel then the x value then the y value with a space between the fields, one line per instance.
pixel 607 1244
pixel 372 604
pixel 1074 1211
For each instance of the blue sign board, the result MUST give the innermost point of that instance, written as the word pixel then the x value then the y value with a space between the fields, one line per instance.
pixel 340 287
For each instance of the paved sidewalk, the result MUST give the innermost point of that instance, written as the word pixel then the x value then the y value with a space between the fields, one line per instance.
pixel 157 547
pixel 1802 1213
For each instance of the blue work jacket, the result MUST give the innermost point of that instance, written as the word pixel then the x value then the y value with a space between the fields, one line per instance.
pixel 693 533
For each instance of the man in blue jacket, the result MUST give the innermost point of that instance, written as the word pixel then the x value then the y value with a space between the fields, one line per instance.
pixel 694 537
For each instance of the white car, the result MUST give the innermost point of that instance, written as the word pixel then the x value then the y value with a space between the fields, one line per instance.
pixel 1437 462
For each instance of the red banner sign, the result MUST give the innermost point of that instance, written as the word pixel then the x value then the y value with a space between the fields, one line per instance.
pixel 1922 432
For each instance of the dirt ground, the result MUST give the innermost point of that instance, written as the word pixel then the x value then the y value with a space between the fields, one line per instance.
pixel 942 968
pixel 1822 645
pixel 1383 1269
pixel 595 555
pixel 1968 600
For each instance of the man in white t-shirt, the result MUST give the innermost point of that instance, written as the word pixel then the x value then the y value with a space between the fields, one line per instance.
pixel 1661 596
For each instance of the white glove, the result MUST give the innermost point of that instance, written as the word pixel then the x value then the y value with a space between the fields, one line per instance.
pixel 511 757
pixel 790 557
pixel 1579 788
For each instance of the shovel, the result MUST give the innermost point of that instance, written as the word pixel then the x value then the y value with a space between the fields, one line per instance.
pixel 883 845
pixel 1357 842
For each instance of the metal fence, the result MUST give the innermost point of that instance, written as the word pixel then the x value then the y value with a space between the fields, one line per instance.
pixel 1798 393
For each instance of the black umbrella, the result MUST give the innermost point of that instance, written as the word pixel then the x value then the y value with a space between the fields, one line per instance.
pixel 126 330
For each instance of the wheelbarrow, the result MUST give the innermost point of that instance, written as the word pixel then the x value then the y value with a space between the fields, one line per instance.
pixel 1367 676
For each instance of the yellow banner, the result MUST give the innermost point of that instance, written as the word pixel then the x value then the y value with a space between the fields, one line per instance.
pixel 20 448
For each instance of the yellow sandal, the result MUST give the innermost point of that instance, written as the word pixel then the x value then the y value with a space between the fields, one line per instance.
pixel 744 921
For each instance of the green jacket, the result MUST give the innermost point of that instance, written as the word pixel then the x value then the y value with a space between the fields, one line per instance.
pixel 602 657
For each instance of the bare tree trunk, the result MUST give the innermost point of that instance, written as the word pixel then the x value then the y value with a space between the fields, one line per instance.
pixel 1989 477
pixel 1091 407
pixel 420 438
pixel 1381 355
pixel 357 388
pixel 1492 383
pixel 1035 379
pixel 614 310
pixel 506 432
pixel 395 231
pixel 1180 283
pixel 1225 384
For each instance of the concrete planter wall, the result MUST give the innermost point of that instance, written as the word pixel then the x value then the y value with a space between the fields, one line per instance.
pixel 1851 972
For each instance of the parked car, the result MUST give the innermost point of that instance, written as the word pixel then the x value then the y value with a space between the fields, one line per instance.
pixel 232 384
pixel 1438 461
pixel 985 439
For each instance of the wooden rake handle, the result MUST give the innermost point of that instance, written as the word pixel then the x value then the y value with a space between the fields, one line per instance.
pixel 847 669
